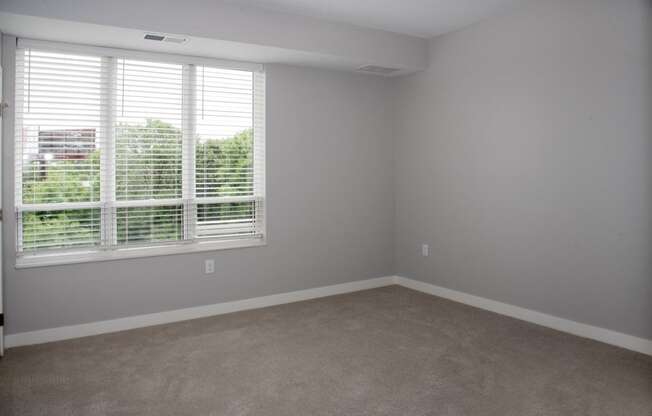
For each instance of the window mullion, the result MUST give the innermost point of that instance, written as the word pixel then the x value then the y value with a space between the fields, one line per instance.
pixel 188 152
pixel 18 156
pixel 259 152
pixel 107 169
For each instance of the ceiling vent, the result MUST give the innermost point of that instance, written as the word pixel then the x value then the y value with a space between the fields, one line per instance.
pixel 378 70
pixel 160 37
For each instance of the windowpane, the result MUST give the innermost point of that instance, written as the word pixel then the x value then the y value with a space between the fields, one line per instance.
pixel 148 130
pixel 58 133
pixel 224 124
pixel 149 224
pixel 224 167
pixel 60 229
pixel 227 219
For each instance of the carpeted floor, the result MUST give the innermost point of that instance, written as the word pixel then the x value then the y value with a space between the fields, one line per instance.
pixel 387 351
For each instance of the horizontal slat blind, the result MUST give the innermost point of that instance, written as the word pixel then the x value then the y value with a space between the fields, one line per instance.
pixel 60 105
pixel 224 154
pixel 115 151
pixel 148 141
pixel 224 149
pixel 148 134
pixel 60 228
pixel 141 225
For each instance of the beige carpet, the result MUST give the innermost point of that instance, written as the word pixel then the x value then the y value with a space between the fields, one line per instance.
pixel 388 351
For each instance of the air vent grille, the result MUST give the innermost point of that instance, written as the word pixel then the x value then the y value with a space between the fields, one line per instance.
pixel 151 36
pixel 160 37
pixel 379 70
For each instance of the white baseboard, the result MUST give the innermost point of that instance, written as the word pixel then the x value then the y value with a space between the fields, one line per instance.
pixel 131 322
pixel 607 336
pixel 102 327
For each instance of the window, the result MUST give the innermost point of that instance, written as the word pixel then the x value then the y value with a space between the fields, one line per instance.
pixel 120 154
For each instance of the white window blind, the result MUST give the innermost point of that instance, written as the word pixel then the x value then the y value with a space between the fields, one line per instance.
pixel 225 192
pixel 148 119
pixel 116 152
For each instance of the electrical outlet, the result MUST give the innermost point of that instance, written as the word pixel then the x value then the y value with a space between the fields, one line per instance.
pixel 425 250
pixel 209 266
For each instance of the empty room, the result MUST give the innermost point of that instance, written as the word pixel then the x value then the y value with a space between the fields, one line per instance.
pixel 326 207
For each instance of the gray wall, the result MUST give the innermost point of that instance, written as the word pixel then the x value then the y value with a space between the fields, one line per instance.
pixel 524 157
pixel 330 216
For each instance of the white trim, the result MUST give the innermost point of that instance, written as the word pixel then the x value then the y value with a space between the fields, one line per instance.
pixel 108 220
pixel 54 206
pixel 189 130
pixel 607 336
pixel 57 258
pixel 57 206
pixel 132 322
pixel 24 43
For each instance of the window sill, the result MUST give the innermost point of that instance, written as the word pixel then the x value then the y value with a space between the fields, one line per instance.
pixel 90 256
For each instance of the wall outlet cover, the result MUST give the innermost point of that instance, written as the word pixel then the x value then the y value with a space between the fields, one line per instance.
pixel 209 266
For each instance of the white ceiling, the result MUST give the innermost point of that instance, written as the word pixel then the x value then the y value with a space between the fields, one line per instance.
pixel 324 33
pixel 423 18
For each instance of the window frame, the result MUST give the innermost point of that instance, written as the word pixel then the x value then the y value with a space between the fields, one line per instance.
pixel 108 204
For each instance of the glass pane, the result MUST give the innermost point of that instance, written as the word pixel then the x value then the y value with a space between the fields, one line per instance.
pixel 224 123
pixel 224 167
pixel 226 219
pixel 149 224
pixel 60 229
pixel 58 133
pixel 148 130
